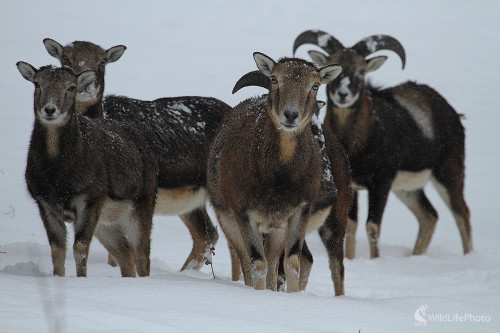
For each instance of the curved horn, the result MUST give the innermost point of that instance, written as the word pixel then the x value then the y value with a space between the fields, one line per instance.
pixel 254 78
pixel 317 37
pixel 374 43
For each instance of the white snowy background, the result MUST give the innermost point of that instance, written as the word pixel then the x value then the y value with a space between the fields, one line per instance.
pixel 189 47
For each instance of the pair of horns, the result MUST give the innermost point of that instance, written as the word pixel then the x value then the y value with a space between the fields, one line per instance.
pixel 364 47
pixel 330 44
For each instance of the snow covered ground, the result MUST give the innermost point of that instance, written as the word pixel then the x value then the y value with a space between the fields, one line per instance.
pixel 201 48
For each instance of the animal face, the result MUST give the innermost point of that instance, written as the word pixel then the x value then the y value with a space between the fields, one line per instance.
pixel 293 89
pixel 346 91
pixel 83 56
pixel 55 91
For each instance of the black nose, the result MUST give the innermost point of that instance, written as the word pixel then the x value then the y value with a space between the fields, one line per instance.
pixel 291 115
pixel 50 110
pixel 342 95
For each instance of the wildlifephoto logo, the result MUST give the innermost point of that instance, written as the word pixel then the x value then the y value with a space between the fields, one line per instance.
pixel 423 317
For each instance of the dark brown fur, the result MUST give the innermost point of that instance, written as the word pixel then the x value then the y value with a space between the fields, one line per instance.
pixel 260 177
pixel 93 163
pixel 381 138
pixel 396 138
pixel 179 139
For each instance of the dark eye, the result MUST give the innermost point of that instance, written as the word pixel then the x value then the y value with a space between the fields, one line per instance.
pixel 316 86
pixel 103 61
pixel 37 85
pixel 274 80
pixel 65 61
pixel 71 89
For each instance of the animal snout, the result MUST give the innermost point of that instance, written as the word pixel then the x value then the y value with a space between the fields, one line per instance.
pixel 342 95
pixel 49 110
pixel 291 115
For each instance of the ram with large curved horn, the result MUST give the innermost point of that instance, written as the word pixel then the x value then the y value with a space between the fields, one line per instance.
pixel 364 47
pixel 396 139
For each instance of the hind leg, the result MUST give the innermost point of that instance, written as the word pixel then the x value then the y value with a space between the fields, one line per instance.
pixel 426 215
pixel 143 216
pixel 115 241
pixel 204 236
pixel 306 262
pixel 111 261
pixel 235 262
pixel 332 234
pixel 451 191
pixel 248 245
pixel 274 242
pixel 377 199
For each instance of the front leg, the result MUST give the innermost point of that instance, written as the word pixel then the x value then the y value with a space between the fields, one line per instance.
pixel 294 239
pixel 352 226
pixel 246 242
pixel 53 221
pixel 377 199
pixel 274 242
pixel 87 213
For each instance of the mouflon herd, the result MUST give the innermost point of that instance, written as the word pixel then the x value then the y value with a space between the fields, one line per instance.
pixel 269 168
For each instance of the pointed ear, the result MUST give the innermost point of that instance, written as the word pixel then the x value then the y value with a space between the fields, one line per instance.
pixel 320 104
pixel 114 53
pixel 84 79
pixel 318 58
pixel 26 70
pixel 54 48
pixel 329 73
pixel 375 63
pixel 264 63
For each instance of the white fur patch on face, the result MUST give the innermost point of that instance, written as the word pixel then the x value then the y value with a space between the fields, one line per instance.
pixel 51 118
pixel 410 181
pixel 178 201
pixel 349 99
pixel 89 94
pixel 422 117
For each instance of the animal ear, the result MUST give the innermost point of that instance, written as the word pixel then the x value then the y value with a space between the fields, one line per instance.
pixel 375 63
pixel 26 70
pixel 264 63
pixel 329 73
pixel 114 53
pixel 318 57
pixel 320 104
pixel 84 79
pixel 54 48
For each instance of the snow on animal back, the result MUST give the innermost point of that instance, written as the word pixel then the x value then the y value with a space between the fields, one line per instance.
pixel 320 138
pixel 183 115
